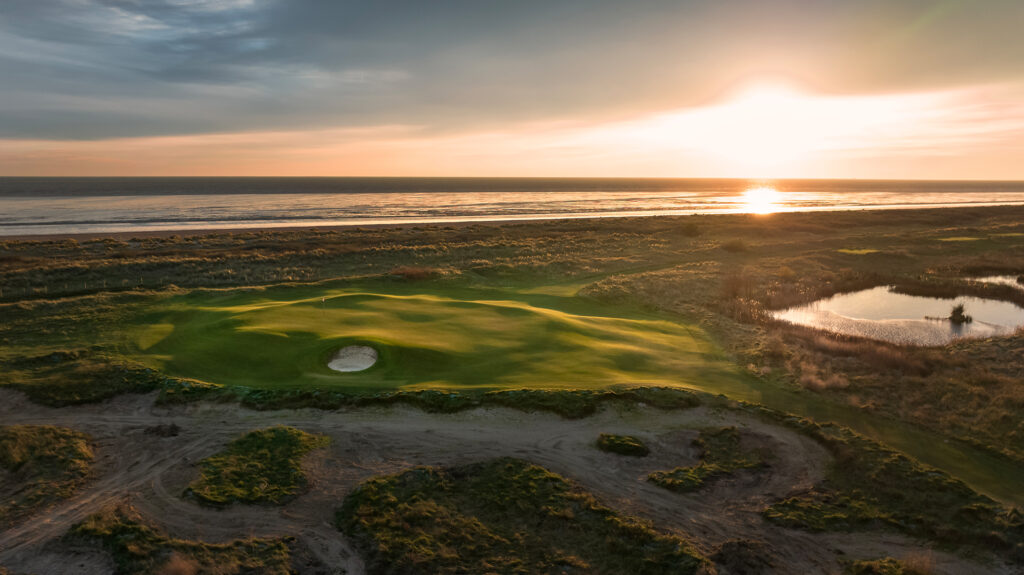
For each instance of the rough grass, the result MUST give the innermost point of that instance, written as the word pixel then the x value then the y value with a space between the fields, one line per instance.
pixel 39 465
pixel 885 566
pixel 139 548
pixel 965 393
pixel 262 466
pixel 622 445
pixel 869 486
pixel 721 455
pixel 500 516
pixel 75 377
pixel 857 251
pixel 971 394
pixel 570 404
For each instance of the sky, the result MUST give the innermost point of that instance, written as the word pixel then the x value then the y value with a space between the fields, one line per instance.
pixel 720 88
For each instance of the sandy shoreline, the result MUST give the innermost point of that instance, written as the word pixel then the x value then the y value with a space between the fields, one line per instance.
pixel 455 223
pixel 190 232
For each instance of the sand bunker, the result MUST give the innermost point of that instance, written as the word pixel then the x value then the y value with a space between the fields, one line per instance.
pixel 353 358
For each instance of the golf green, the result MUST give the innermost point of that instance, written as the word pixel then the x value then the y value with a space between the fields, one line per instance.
pixel 450 338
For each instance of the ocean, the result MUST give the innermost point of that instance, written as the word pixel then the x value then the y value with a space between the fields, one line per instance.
pixel 57 206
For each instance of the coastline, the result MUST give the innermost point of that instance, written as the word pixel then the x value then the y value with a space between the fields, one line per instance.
pixel 463 222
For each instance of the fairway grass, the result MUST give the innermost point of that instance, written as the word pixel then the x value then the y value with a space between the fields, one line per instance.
pixel 427 338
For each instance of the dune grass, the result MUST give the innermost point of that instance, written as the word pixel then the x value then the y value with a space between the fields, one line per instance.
pixel 500 516
pixel 63 295
pixel 870 486
pixel 721 455
pixel 884 566
pixel 857 251
pixel 622 445
pixel 39 465
pixel 139 548
pixel 77 376
pixel 262 466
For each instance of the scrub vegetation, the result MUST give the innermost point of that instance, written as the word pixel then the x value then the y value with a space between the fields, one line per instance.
pixel 262 466
pixel 890 566
pixel 722 454
pixel 39 465
pixel 79 376
pixel 966 390
pixel 570 404
pixel 566 317
pixel 139 548
pixel 870 486
pixel 500 516
pixel 622 445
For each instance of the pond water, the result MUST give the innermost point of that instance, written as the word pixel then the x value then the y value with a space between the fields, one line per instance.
pixel 879 313
pixel 1004 280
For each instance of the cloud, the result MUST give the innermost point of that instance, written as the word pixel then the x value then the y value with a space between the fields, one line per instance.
pixel 98 69
pixel 768 132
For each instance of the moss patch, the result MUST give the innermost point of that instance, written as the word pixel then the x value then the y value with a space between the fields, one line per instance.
pixel 260 467
pixel 721 455
pixel 41 464
pixel 500 516
pixel 140 548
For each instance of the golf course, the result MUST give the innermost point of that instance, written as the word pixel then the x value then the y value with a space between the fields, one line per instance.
pixel 457 338
pixel 427 336
pixel 455 367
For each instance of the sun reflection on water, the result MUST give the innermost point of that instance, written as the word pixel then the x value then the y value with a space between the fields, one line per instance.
pixel 761 200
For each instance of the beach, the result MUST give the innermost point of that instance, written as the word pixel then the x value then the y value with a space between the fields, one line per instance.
pixel 88 207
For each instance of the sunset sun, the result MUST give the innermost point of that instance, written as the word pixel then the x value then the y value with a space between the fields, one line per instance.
pixel 761 200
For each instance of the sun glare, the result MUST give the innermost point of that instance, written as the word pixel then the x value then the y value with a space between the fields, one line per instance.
pixel 765 127
pixel 761 200
pixel 775 130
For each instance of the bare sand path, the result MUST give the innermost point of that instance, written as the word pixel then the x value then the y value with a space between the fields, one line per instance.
pixel 151 472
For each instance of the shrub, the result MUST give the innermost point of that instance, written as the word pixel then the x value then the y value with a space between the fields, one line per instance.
pixel 735 246
pixel 889 566
pixel 721 455
pixel 414 273
pixel 786 274
pixel 44 463
pixel 500 516
pixel 689 230
pixel 622 445
pixel 958 316
pixel 871 486
pixel 260 467
pixel 139 548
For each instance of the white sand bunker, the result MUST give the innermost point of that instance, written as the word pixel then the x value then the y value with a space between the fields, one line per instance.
pixel 353 358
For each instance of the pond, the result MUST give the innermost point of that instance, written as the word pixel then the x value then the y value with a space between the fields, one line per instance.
pixel 880 313
pixel 1002 280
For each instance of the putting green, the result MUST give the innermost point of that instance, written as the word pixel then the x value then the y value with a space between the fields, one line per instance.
pixel 456 338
